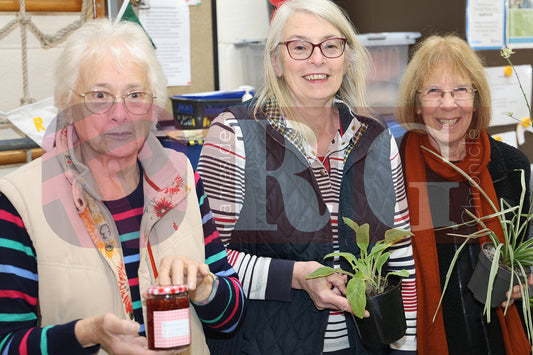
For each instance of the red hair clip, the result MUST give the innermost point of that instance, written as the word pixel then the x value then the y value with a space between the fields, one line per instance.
pixel 277 4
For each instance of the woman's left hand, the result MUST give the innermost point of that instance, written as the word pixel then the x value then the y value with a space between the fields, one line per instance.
pixel 180 270
pixel 516 293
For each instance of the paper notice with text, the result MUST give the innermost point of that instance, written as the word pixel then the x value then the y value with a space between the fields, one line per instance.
pixel 168 24
pixel 485 24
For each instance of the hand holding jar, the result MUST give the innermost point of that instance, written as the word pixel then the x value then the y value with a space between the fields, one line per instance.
pixel 167 304
pixel 116 335
pixel 180 270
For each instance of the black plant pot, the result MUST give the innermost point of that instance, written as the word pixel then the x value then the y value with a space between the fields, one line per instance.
pixel 386 323
pixel 479 281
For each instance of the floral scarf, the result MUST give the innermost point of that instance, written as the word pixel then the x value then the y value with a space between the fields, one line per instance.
pixel 164 189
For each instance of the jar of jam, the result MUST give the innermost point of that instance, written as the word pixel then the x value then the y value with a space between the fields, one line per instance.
pixel 168 317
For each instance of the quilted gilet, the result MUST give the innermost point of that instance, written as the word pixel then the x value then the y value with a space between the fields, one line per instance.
pixel 284 217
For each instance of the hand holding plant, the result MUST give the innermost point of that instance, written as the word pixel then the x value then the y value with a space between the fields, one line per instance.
pixel 367 278
pixel 326 292
pixel 516 292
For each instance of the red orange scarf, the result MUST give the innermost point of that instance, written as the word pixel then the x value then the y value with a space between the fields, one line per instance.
pixel 431 336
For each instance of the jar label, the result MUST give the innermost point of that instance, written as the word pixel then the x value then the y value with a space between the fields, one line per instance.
pixel 171 328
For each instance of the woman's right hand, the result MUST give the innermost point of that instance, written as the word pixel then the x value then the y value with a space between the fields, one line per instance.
pixel 115 334
pixel 325 292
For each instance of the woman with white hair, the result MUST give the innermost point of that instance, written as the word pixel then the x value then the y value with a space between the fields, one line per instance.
pixel 282 170
pixel 106 213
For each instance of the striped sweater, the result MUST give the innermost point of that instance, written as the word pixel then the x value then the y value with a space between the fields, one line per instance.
pixel 19 327
pixel 222 166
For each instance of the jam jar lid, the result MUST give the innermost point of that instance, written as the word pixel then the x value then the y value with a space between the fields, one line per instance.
pixel 167 290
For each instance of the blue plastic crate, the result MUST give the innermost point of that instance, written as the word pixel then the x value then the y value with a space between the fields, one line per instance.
pixel 193 111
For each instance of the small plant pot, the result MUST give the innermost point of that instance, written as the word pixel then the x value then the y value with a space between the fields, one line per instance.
pixel 386 323
pixel 479 281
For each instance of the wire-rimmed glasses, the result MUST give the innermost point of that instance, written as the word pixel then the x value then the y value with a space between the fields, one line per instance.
pixel 99 102
pixel 437 94
pixel 301 50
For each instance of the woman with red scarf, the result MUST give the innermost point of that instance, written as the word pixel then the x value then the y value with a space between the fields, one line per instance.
pixel 444 102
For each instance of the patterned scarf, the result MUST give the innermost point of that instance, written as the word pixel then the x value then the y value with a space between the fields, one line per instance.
pixel 164 192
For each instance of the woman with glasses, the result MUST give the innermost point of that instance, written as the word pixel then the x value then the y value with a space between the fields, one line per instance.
pixel 282 170
pixel 444 102
pixel 106 213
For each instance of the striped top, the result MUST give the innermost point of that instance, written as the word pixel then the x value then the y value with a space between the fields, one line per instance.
pixel 19 280
pixel 222 166
pixel 127 214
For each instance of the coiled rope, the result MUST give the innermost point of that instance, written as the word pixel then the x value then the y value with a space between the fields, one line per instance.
pixel 46 40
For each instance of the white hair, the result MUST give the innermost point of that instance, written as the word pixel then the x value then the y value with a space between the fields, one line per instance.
pixel 123 41
pixel 353 86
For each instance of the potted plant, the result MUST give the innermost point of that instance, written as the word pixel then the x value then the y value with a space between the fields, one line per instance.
pixel 501 265
pixel 369 288
pixel 526 122
pixel 507 262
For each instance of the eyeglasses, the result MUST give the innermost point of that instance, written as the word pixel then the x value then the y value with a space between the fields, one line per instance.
pixel 99 102
pixel 302 50
pixel 437 94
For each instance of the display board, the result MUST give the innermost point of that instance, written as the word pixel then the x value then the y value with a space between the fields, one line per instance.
pixel 429 17
pixel 202 57
pixel 426 17
pixel 202 51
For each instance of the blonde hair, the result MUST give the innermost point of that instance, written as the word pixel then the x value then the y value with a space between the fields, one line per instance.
pixel 462 60
pixel 353 87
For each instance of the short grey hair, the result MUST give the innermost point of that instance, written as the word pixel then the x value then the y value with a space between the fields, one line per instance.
pixel 98 38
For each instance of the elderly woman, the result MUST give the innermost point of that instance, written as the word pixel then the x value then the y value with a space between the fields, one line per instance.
pixel 444 101
pixel 106 213
pixel 283 169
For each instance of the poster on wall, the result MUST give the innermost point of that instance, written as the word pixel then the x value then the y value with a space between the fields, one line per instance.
pixel 520 24
pixel 494 24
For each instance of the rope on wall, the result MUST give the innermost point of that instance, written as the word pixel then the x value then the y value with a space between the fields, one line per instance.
pixel 46 40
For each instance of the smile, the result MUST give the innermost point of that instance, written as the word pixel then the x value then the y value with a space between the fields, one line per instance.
pixel 120 135
pixel 448 123
pixel 316 77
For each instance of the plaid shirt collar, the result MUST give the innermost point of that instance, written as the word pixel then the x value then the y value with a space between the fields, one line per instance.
pixel 341 143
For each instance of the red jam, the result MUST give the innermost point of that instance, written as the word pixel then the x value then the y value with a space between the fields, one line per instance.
pixel 168 318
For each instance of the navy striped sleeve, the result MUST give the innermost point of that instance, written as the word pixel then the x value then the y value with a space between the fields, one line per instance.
pixel 224 312
pixel 19 330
